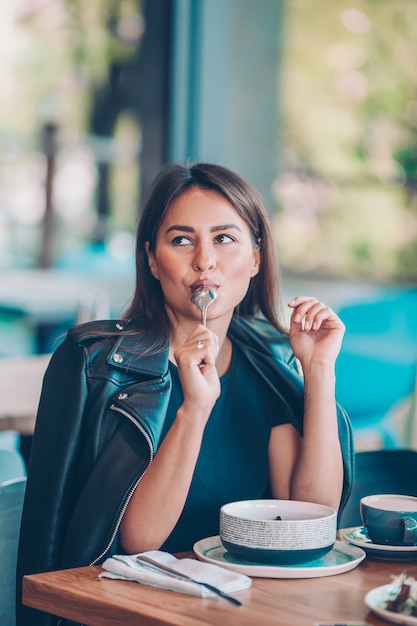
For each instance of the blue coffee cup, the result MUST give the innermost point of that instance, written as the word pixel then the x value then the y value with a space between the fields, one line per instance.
pixel 390 519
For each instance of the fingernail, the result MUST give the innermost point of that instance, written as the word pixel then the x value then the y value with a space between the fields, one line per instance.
pixel 297 318
pixel 307 325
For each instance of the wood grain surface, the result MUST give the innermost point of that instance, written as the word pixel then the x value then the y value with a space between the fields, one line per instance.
pixel 80 595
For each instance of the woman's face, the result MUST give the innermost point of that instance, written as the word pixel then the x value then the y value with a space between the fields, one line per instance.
pixel 202 241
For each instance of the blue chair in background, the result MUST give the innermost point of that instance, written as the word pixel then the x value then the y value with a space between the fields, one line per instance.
pixel 11 504
pixel 380 471
pixel 12 490
pixel 376 369
pixel 12 464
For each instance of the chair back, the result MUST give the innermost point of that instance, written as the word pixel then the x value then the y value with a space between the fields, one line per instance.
pixel 11 503
pixel 380 471
pixel 12 464
pixel 376 368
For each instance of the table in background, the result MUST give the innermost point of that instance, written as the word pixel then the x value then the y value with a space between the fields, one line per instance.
pixel 49 301
pixel 79 594
pixel 20 388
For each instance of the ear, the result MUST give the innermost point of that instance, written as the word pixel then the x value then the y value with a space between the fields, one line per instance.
pixel 151 261
pixel 256 261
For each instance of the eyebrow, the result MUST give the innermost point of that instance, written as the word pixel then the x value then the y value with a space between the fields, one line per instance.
pixel 213 229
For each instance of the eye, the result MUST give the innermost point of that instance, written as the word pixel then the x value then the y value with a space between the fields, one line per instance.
pixel 181 240
pixel 223 238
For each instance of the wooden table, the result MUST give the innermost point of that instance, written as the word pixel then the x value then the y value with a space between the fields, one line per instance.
pixel 20 388
pixel 79 594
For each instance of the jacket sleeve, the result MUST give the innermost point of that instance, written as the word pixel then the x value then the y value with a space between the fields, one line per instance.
pixel 53 459
pixel 85 459
pixel 52 465
pixel 348 454
pixel 72 500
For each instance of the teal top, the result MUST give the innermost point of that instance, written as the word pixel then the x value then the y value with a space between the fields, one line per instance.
pixel 233 460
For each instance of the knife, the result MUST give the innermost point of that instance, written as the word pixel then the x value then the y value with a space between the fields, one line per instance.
pixel 160 567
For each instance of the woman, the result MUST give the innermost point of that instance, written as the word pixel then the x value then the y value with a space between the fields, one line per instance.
pixel 147 425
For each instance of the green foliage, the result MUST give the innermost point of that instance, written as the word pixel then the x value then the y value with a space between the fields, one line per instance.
pixel 349 138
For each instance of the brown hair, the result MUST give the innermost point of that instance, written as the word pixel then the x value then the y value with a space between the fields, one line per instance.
pixel 173 180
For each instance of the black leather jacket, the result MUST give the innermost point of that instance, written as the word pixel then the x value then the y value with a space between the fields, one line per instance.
pixel 102 408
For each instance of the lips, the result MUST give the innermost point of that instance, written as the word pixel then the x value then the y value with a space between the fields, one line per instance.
pixel 204 283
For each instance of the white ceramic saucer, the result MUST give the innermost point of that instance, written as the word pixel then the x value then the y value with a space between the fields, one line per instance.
pixel 375 600
pixel 342 558
pixel 358 537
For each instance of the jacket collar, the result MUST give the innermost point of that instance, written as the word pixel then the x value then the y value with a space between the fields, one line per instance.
pixel 139 351
pixel 144 352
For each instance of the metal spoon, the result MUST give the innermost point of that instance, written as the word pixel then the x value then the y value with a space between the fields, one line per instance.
pixel 202 298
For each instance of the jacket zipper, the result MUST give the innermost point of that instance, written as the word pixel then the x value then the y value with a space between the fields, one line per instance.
pixel 129 496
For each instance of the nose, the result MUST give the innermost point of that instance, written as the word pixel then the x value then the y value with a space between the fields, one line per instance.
pixel 204 258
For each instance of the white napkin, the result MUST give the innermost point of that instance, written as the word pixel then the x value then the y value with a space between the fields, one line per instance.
pixel 126 567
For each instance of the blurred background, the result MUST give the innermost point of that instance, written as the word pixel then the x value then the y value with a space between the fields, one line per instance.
pixel 313 101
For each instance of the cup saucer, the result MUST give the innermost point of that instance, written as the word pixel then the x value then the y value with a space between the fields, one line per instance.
pixel 358 537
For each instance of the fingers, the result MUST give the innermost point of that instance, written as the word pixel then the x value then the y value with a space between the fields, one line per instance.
pixel 200 348
pixel 207 345
pixel 196 362
pixel 311 314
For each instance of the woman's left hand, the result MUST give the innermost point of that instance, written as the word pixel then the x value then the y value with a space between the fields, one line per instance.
pixel 316 332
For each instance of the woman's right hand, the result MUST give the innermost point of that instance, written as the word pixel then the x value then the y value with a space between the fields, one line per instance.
pixel 196 362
